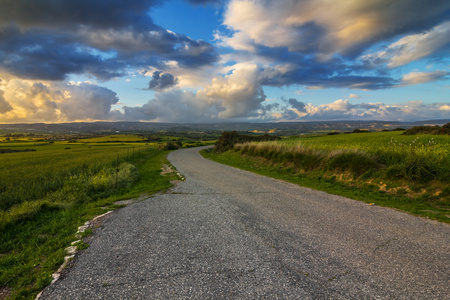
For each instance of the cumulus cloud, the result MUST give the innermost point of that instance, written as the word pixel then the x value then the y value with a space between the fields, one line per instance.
pixel 173 106
pixel 31 101
pixel 161 82
pixel 234 96
pixel 240 92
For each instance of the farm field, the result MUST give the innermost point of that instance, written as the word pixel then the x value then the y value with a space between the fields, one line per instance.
pixel 45 194
pixel 408 172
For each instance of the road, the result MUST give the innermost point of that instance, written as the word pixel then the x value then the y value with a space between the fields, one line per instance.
pixel 225 233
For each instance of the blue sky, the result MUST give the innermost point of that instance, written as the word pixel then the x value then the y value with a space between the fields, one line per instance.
pixel 216 61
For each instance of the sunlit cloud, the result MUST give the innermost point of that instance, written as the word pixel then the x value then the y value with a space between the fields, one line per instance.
pixel 354 96
pixel 423 77
pixel 32 101
pixel 413 47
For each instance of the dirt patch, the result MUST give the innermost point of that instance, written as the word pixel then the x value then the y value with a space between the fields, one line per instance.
pixel 5 292
pixel 166 170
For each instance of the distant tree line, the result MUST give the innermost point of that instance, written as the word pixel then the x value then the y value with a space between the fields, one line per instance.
pixel 15 150
pixel 445 129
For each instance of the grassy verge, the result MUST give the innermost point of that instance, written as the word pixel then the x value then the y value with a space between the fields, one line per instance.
pixel 329 182
pixel 34 234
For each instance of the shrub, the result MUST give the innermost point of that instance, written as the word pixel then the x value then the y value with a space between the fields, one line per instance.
pixel 445 129
pixel 357 163
pixel 230 138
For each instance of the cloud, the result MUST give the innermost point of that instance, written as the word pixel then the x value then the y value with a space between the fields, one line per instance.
pixel 32 101
pixel 423 77
pixel 343 109
pixel 161 82
pixel 354 96
pixel 52 14
pixel 322 42
pixel 324 27
pixel 4 105
pixel 173 106
pixel 413 47
pixel 50 40
pixel 235 96
pixel 299 106
pixel 240 93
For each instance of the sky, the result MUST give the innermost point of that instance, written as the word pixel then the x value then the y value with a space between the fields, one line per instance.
pixel 198 61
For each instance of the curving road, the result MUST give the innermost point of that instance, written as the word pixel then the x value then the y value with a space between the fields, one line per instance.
pixel 228 233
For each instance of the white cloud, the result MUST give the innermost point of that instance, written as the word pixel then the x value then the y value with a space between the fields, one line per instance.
pixel 354 96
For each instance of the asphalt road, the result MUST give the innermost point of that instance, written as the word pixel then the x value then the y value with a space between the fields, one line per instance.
pixel 228 233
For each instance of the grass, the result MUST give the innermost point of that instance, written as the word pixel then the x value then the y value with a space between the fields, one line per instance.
pixel 45 196
pixel 410 173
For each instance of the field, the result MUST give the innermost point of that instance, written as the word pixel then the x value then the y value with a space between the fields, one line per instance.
pixel 411 173
pixel 47 193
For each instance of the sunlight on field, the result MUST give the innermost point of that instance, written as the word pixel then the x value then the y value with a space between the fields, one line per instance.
pixel 435 147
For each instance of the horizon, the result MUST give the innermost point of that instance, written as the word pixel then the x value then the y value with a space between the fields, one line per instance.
pixel 234 61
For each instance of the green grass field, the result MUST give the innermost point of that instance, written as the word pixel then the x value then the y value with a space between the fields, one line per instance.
pixel 411 173
pixel 46 194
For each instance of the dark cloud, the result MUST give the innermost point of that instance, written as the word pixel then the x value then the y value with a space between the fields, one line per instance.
pixel 95 14
pixel 51 39
pixel 4 105
pixel 161 82
pixel 35 55
pixel 205 1
pixel 300 106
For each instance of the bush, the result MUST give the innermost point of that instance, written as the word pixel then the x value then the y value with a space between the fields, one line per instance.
pixel 357 163
pixel 230 138
pixel 445 129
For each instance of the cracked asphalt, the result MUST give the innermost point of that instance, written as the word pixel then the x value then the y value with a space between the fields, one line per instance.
pixel 225 233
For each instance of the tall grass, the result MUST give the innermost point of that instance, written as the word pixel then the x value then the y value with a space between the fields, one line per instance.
pixel 414 158
pixel 55 176
pixel 309 158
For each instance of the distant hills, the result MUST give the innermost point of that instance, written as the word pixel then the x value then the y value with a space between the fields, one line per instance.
pixel 283 128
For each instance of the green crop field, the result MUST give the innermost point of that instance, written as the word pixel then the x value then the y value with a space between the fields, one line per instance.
pixel 28 176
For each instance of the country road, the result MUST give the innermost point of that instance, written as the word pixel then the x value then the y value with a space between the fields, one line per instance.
pixel 225 233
